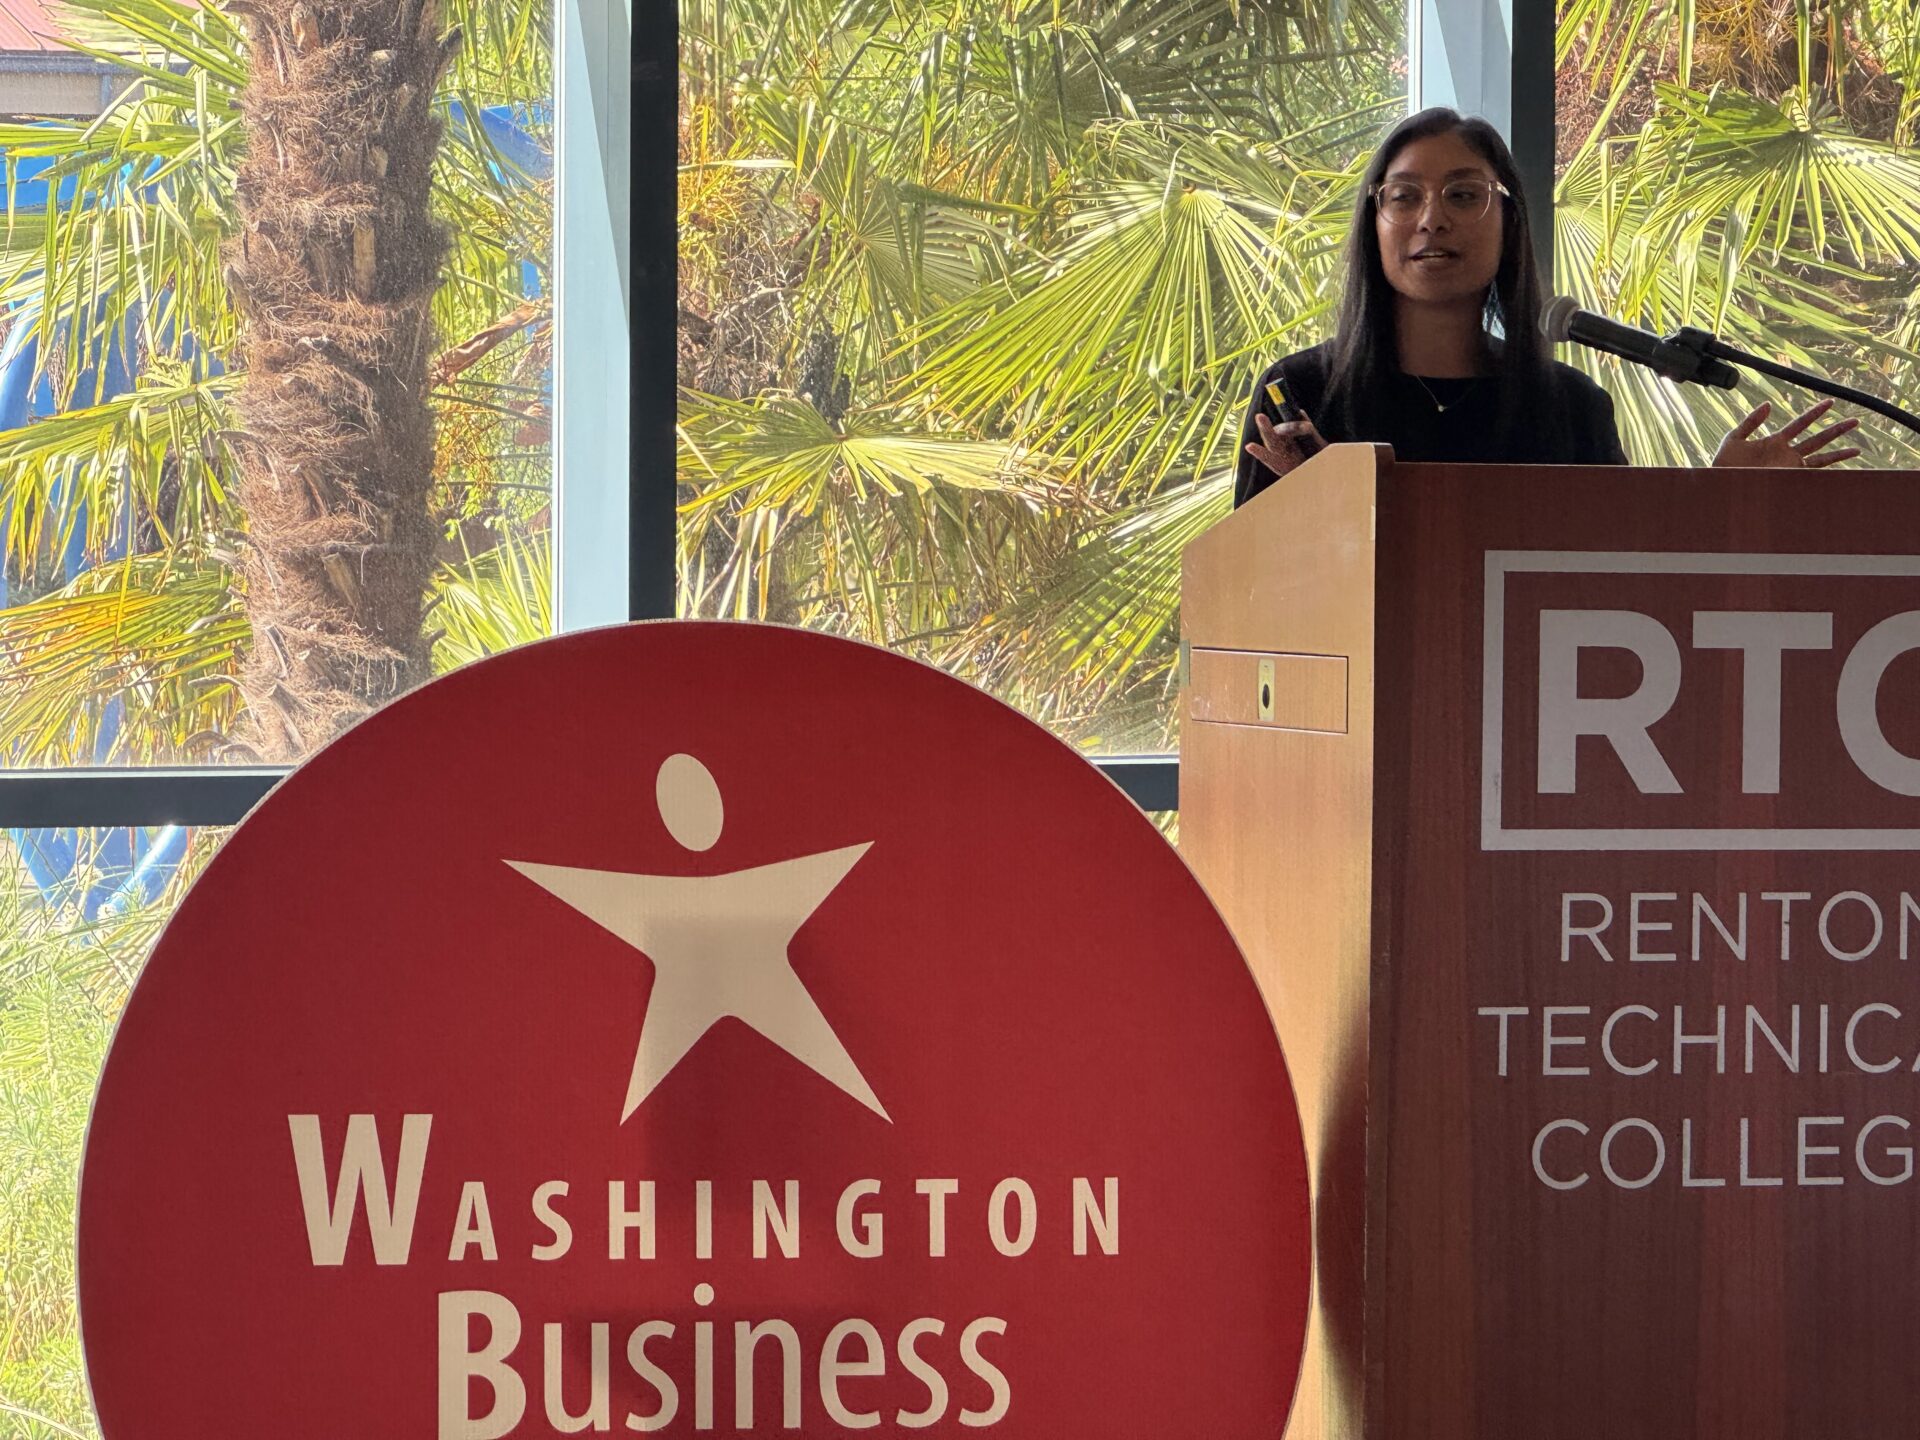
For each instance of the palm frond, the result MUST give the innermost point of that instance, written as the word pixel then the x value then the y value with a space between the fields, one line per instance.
pixel 493 601
pixel 1104 619
pixel 132 663
pixel 155 459
pixel 867 525
pixel 1128 343
pixel 782 452
pixel 1788 175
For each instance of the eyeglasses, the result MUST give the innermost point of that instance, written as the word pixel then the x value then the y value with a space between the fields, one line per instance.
pixel 1402 202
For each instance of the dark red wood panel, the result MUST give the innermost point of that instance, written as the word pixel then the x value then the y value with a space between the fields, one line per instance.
pixel 1500 1306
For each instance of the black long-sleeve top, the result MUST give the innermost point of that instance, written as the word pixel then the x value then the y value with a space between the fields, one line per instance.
pixel 1579 431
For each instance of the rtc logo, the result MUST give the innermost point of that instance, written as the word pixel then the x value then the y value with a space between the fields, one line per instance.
pixel 1669 701
pixel 905 1008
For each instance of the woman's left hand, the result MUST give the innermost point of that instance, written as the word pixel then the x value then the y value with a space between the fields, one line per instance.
pixel 1785 447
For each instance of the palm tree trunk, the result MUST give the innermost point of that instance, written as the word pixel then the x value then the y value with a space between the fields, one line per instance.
pixel 334 268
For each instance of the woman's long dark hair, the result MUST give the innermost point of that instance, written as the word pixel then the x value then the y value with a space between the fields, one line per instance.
pixel 1365 348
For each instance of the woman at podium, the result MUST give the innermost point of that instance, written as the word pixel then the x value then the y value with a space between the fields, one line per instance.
pixel 1439 256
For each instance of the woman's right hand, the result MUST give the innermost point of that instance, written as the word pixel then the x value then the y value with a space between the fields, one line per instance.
pixel 1283 446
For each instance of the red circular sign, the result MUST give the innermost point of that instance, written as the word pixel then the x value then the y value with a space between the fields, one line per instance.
pixel 685 1027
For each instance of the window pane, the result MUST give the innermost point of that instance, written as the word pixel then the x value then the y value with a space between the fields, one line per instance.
pixel 968 325
pixel 1683 145
pixel 274 385
pixel 79 911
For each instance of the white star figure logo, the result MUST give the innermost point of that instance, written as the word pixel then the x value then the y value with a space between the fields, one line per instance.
pixel 718 942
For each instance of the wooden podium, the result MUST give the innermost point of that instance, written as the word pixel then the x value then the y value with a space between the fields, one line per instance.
pixel 1570 819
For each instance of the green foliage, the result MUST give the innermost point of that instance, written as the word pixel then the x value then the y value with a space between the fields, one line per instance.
pixel 63 981
pixel 130 262
pixel 1067 235
pixel 1745 167
pixel 943 357
pixel 491 602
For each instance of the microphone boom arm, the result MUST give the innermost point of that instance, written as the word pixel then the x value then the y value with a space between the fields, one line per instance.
pixel 1705 344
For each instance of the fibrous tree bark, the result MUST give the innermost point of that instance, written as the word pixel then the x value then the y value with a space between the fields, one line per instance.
pixel 334 268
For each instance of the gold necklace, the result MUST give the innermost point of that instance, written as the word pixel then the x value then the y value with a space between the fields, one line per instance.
pixel 1437 406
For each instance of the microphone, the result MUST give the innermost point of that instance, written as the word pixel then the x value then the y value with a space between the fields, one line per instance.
pixel 1563 319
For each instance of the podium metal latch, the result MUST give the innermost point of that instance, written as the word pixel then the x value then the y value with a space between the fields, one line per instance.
pixel 1266 689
